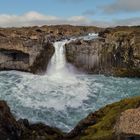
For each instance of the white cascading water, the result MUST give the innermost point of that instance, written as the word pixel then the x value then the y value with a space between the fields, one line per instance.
pixel 58 62
pixel 58 68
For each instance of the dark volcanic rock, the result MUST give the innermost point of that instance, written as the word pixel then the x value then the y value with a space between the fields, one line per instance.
pixel 115 52
pixel 41 132
pixel 9 128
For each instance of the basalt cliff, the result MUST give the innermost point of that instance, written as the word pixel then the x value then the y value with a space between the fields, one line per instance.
pixel 24 50
pixel 115 52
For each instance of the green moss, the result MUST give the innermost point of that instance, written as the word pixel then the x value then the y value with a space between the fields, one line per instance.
pixel 107 117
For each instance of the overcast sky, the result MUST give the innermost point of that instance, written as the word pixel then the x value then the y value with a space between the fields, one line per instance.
pixel 75 12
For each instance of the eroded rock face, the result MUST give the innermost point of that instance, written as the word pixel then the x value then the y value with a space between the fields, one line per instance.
pixel 29 53
pixel 115 52
pixel 84 55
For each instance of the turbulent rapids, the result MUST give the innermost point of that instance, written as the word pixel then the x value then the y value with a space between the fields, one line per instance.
pixel 61 98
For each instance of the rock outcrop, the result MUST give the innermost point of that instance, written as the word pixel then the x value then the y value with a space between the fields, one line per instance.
pixel 24 50
pixel 84 55
pixel 115 52
pixel 9 128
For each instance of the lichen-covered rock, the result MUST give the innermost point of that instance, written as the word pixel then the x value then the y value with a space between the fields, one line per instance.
pixel 115 52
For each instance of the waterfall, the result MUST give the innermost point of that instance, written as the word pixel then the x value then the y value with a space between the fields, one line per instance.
pixel 57 64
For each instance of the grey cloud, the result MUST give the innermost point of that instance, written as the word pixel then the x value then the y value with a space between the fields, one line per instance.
pixel 122 6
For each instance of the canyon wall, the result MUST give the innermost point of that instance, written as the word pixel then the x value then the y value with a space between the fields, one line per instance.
pixel 114 52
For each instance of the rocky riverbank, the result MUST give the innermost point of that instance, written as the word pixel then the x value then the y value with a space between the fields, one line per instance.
pixel 115 52
pixel 116 121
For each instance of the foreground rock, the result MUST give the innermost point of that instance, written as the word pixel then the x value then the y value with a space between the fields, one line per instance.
pixel 9 128
pixel 118 121
pixel 115 52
